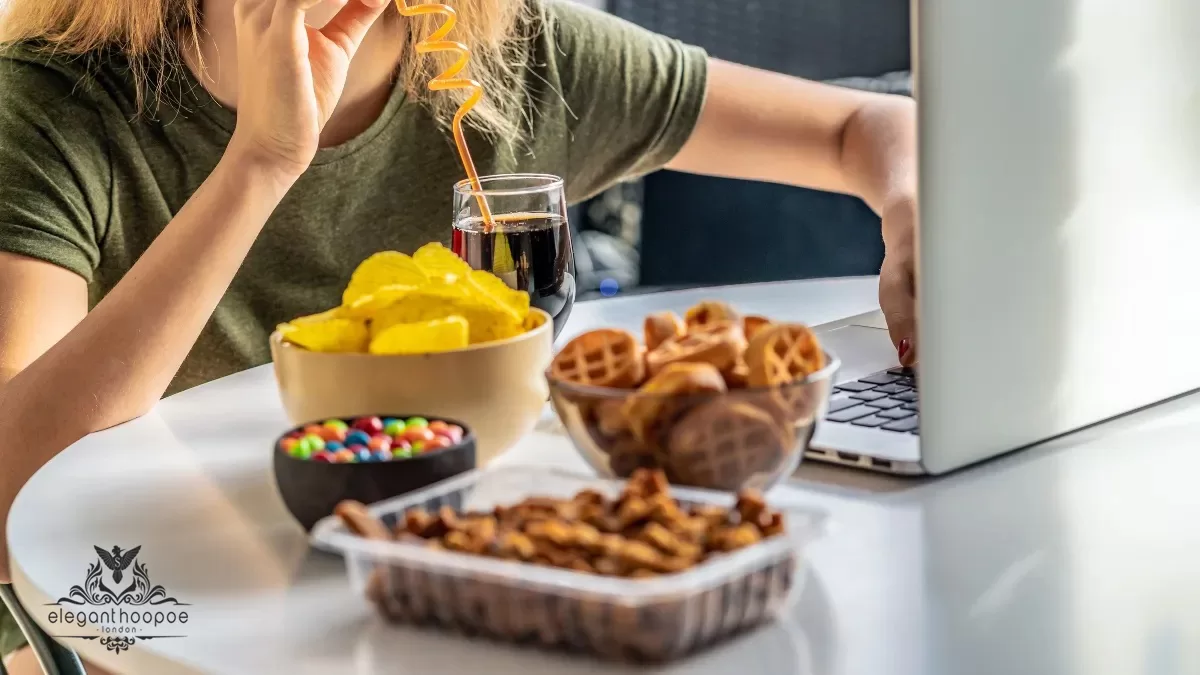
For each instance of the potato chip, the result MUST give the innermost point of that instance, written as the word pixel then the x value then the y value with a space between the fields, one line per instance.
pixel 431 301
pixel 335 313
pixel 420 305
pixel 436 259
pixel 488 330
pixel 327 335
pixel 502 257
pixel 387 268
pixel 492 285
pixel 487 319
pixel 533 320
pixel 367 306
pixel 448 286
pixel 423 337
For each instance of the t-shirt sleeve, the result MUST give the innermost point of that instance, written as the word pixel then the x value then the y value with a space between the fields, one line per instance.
pixel 54 171
pixel 633 97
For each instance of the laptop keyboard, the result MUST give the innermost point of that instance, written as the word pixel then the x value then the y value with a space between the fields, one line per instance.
pixel 886 400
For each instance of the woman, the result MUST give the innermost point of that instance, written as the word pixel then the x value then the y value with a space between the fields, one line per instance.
pixel 176 177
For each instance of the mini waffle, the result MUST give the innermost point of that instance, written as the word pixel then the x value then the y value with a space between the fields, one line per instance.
pixel 664 397
pixel 718 344
pixel 603 358
pixel 752 324
pixel 719 443
pixel 710 312
pixel 783 353
pixel 662 326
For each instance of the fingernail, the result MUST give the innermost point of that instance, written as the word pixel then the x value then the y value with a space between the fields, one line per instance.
pixel 905 345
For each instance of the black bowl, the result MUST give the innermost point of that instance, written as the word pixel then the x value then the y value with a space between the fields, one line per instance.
pixel 311 489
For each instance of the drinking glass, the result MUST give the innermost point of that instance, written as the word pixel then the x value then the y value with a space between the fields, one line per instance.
pixel 529 246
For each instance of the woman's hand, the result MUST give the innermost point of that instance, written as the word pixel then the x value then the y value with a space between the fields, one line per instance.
pixel 898 277
pixel 291 75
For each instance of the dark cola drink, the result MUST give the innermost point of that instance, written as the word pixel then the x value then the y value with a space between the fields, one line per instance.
pixel 530 252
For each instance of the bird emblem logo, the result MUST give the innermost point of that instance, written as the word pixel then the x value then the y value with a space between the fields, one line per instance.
pixel 117 561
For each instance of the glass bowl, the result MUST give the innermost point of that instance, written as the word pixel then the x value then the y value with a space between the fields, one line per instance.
pixel 742 438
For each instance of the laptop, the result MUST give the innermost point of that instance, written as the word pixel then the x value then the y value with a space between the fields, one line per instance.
pixel 1060 235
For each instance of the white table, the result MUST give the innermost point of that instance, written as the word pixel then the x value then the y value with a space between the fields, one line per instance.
pixel 1082 556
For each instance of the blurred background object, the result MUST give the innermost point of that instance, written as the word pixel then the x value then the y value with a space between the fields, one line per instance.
pixel 676 230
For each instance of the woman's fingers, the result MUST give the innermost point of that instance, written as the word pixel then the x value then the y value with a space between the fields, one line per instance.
pixel 898 277
pixel 897 299
pixel 253 14
pixel 350 25
pixel 286 11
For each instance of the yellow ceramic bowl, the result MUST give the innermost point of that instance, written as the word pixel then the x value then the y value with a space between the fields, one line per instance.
pixel 498 388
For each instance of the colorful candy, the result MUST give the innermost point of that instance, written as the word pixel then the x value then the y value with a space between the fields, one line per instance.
pixel 418 434
pixel 357 437
pixel 370 439
pixel 371 425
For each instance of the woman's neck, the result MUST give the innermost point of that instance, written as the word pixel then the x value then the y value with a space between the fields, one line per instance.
pixel 368 85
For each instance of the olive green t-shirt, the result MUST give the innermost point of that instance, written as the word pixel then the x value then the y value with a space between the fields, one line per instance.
pixel 87 183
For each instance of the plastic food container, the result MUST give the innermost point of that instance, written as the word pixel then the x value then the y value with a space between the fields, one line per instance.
pixel 656 619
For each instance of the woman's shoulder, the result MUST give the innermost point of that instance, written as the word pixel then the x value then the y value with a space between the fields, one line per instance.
pixel 27 66
pixel 34 74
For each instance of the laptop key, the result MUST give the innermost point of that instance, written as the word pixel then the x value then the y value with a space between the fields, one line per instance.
pixel 855 386
pixel 872 421
pixel 893 388
pixel 896 413
pixel 906 424
pixel 879 378
pixel 910 406
pixel 842 403
pixel 850 414
pixel 906 396
pixel 900 370
pixel 871 395
pixel 885 403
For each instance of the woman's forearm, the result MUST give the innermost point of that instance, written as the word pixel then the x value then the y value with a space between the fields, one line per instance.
pixel 121 357
pixel 759 125
pixel 879 151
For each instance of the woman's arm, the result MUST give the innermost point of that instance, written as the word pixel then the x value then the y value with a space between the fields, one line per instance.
pixel 39 304
pixel 116 363
pixel 758 125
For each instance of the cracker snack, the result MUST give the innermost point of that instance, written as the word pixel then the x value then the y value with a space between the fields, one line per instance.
pixel 626 572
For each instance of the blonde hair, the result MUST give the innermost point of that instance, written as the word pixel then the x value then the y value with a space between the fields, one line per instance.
pixel 152 34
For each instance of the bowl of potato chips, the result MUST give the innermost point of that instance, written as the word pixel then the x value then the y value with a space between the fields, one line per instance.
pixel 421 332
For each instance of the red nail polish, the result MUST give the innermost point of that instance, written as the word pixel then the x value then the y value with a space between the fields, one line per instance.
pixel 905 345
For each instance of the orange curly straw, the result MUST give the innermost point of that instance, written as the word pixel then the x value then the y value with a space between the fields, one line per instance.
pixel 449 79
